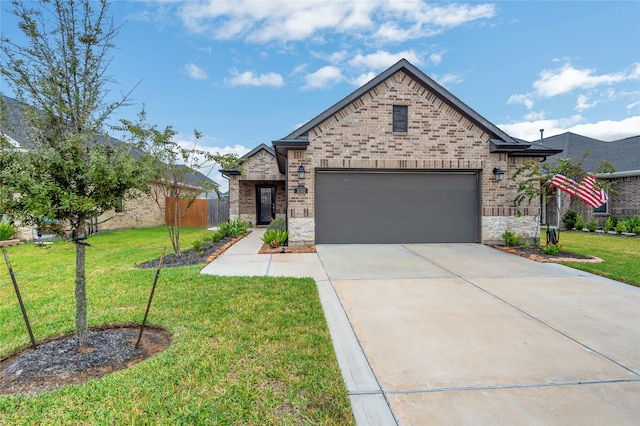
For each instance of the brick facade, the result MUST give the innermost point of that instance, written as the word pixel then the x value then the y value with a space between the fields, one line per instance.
pixel 357 133
pixel 360 137
pixel 258 169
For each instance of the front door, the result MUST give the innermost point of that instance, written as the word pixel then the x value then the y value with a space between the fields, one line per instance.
pixel 266 202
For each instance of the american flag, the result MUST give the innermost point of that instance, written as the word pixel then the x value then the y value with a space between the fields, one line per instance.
pixel 585 189
pixel 564 183
pixel 587 192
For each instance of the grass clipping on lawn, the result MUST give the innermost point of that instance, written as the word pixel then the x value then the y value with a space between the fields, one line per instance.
pixel 244 350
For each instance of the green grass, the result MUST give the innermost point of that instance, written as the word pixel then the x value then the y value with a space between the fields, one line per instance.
pixel 620 255
pixel 244 351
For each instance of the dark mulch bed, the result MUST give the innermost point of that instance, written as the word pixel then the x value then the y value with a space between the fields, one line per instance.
pixel 58 363
pixel 188 257
pixel 534 253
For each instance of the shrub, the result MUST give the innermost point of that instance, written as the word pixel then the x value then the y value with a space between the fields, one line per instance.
pixel 621 227
pixel 279 224
pixel 211 237
pixel 551 249
pixel 6 230
pixel 275 238
pixel 569 219
pixel 633 224
pixel 592 225
pixel 579 222
pixel 233 228
pixel 511 239
pixel 608 224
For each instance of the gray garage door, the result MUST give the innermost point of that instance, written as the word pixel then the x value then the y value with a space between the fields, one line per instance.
pixel 396 207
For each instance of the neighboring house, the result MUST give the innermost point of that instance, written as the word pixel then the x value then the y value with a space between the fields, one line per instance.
pixel 623 154
pixel 400 160
pixel 139 210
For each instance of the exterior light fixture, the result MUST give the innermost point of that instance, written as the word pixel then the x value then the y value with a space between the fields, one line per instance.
pixel 498 173
pixel 301 172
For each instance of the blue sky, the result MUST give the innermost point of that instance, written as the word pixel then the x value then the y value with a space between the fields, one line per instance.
pixel 249 72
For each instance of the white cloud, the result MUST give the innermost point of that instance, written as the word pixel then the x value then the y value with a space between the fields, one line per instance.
pixel 449 79
pixel 363 79
pixel 567 78
pixel 435 58
pixel 248 78
pixel 323 78
pixel 521 99
pixel 583 103
pixel 195 72
pixel 607 130
pixel 382 59
pixel 264 21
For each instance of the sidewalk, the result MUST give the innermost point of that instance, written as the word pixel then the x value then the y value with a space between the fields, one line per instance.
pixel 242 259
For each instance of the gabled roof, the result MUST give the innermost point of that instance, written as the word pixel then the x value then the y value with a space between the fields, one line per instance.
pixel 624 154
pixel 262 147
pixel 298 139
pixel 256 150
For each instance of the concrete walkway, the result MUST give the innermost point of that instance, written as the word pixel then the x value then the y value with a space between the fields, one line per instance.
pixel 464 334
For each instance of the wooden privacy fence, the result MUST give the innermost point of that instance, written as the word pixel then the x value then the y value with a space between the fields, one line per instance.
pixel 201 213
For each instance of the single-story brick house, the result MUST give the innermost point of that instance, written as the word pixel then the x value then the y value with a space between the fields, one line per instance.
pixel 399 160
pixel 138 211
pixel 623 154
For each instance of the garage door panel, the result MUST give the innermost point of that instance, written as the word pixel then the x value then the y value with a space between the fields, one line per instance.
pixel 397 207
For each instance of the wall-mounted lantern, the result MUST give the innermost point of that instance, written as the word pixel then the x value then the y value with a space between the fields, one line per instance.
pixel 498 173
pixel 301 172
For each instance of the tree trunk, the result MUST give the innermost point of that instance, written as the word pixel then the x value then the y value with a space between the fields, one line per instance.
pixel 81 296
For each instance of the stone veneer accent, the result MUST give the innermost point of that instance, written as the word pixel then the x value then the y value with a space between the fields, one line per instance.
pixel 360 137
pixel 494 226
pixel 301 231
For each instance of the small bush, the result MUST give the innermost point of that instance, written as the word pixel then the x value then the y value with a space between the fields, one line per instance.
pixel 579 222
pixel 551 249
pixel 233 228
pixel 569 219
pixel 592 225
pixel 7 230
pixel 633 224
pixel 212 237
pixel 275 238
pixel 511 239
pixel 279 224
pixel 608 224
pixel 621 227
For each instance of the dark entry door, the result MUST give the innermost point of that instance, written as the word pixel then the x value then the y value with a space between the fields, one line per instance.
pixel 266 204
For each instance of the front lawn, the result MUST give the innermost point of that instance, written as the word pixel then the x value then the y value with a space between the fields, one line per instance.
pixel 620 254
pixel 244 351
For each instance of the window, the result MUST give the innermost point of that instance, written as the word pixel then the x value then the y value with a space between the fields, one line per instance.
pixel 119 206
pixel 602 209
pixel 400 118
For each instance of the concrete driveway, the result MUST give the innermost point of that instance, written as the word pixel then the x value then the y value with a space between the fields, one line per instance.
pixel 462 334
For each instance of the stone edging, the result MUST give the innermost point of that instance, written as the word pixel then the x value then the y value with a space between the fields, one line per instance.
pixel 7 243
pixel 542 259
pixel 224 248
